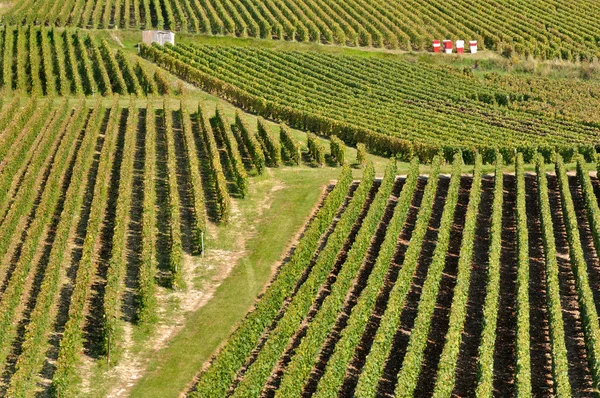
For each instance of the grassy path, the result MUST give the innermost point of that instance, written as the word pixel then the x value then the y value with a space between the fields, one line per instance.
pixel 296 193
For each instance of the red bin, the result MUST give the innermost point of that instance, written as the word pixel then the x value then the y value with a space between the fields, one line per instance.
pixel 448 46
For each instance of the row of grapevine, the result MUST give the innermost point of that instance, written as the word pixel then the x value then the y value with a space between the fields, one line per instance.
pixel 337 332
pixel 361 153
pixel 174 204
pixel 316 149
pixel 112 68
pixel 585 296
pixel 289 145
pixel 250 371
pixel 352 333
pixel 26 168
pixel 560 364
pixel 196 181
pixel 16 282
pixel 111 327
pixel 567 98
pixel 446 373
pixel 225 132
pixel 591 204
pixel 251 143
pixel 66 375
pixel 35 342
pixel 23 156
pixel 485 377
pixel 53 160
pixel 306 353
pixel 47 61
pixel 270 144
pixel 411 366
pixel 146 311
pixel 8 111
pixel 216 169
pixel 523 370
pixel 338 150
pixel 287 340
pixel 162 84
pixel 11 133
pixel 382 342
pixel 215 380
pixel 22 202
pixel 363 100
pixel 257 374
pixel 510 28
pixel 129 75
pixel 146 82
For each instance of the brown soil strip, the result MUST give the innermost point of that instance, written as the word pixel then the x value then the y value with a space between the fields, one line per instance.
pixel 388 380
pixel 505 351
pixel 466 369
pixel 579 372
pixel 441 314
pixel 362 350
pixel 541 350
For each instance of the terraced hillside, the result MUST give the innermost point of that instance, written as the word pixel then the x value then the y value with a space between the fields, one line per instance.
pixel 392 105
pixel 557 29
pixel 430 285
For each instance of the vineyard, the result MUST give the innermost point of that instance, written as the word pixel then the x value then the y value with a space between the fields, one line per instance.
pixel 120 195
pixel 536 29
pixel 430 285
pixel 575 99
pixel 299 198
pixel 391 105
pixel 46 61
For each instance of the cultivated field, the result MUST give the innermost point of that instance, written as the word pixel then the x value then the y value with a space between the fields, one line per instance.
pixel 560 29
pixel 45 61
pixel 430 285
pixel 100 205
pixel 299 198
pixel 391 105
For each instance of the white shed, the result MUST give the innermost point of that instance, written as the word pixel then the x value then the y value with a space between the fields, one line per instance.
pixel 158 36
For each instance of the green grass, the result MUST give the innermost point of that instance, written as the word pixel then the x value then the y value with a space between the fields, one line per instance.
pixel 172 368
